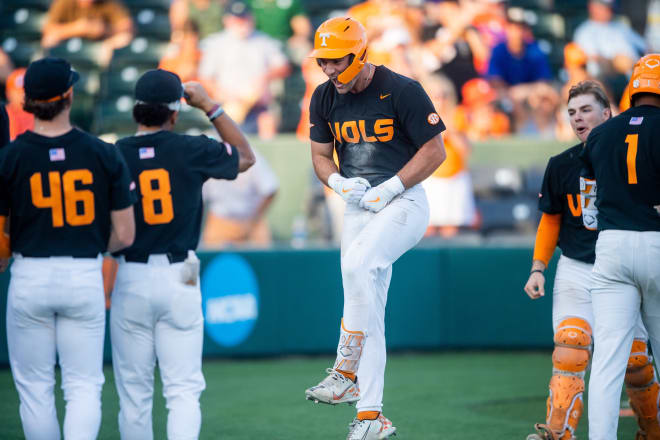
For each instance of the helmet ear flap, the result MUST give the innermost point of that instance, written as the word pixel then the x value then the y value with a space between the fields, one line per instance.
pixel 354 68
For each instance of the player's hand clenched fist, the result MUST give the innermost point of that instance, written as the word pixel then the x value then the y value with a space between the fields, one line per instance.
pixel 535 287
pixel 196 96
pixel 351 190
pixel 378 197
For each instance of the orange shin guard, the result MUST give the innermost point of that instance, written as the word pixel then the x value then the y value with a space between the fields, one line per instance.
pixel 570 360
pixel 643 391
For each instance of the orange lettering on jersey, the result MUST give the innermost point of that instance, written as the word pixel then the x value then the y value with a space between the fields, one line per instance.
pixel 354 137
pixel 384 129
pixel 52 202
pixel 575 210
pixel 337 132
pixel 363 132
pixel 72 197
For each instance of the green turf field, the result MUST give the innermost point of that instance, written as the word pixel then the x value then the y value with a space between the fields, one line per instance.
pixel 462 396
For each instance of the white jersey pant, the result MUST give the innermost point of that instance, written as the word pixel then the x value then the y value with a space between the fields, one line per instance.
pixel 626 281
pixel 155 317
pixel 371 243
pixel 56 308
pixel 571 296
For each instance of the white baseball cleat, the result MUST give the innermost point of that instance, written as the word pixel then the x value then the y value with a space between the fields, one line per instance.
pixel 334 389
pixel 377 429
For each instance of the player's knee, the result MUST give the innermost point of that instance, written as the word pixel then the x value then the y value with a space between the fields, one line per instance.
pixel 639 372
pixel 572 345
pixel 356 265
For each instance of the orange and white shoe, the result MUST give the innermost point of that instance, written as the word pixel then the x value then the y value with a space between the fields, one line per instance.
pixel 334 389
pixel 376 429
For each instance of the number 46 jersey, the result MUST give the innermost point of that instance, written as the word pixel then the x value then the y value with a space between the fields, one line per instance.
pixel 59 192
pixel 623 155
pixel 169 170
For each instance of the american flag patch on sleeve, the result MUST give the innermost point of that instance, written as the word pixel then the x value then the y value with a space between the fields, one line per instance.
pixel 56 154
pixel 636 120
pixel 147 153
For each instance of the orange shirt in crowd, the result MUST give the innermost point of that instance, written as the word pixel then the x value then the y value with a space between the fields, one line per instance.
pixel 456 157
pixel 19 120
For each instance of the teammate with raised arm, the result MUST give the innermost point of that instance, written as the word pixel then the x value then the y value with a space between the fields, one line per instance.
pixel 156 312
pixel 568 221
pixel 69 199
pixel 387 137
pixel 623 155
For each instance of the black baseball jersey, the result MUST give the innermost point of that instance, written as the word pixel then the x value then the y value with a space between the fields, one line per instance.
pixel 560 194
pixel 377 131
pixel 4 126
pixel 169 170
pixel 59 192
pixel 623 155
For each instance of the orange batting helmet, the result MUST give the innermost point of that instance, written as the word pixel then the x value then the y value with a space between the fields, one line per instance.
pixel 646 76
pixel 338 37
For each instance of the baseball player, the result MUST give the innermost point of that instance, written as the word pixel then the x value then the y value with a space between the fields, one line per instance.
pixel 567 221
pixel 156 312
pixel 623 155
pixel 69 199
pixel 387 137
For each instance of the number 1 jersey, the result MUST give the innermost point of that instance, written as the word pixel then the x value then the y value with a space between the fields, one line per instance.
pixel 169 170
pixel 59 192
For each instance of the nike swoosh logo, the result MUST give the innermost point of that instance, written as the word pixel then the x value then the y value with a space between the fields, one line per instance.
pixel 337 397
pixel 384 96
pixel 345 190
pixel 377 199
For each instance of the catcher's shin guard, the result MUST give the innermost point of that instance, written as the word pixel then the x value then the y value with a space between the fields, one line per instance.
pixel 349 350
pixel 569 360
pixel 643 391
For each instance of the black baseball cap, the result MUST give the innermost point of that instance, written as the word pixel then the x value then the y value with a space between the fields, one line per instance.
pixel 48 78
pixel 239 9
pixel 159 87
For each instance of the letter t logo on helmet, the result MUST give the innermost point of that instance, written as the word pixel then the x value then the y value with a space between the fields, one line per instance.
pixel 338 37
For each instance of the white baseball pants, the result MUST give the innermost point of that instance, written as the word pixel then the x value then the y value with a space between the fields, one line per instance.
pixel 56 307
pixel 626 281
pixel 371 243
pixel 155 317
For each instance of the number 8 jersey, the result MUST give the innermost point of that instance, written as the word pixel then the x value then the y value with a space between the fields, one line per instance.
pixel 169 170
pixel 59 192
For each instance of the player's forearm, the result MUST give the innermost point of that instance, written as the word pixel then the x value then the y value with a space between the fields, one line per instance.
pixel 323 167
pixel 232 134
pixel 123 229
pixel 424 162
pixel 538 265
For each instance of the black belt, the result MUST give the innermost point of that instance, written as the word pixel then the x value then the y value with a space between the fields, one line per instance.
pixel 173 257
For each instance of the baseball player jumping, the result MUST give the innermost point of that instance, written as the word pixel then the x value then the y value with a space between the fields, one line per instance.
pixel 69 199
pixel 387 137
pixel 156 312
pixel 568 221
pixel 623 155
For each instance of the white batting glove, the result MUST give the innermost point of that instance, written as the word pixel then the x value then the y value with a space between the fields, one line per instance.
pixel 351 190
pixel 378 197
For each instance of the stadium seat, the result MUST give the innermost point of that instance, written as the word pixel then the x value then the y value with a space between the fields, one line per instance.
pixel 82 111
pixel 191 119
pixel 31 4
pixel 153 23
pixel 114 116
pixel 508 213
pixel 532 181
pixel 489 181
pixel 121 81
pixel 20 52
pixel 550 26
pixel 82 54
pixel 161 5
pixel 142 52
pixel 23 23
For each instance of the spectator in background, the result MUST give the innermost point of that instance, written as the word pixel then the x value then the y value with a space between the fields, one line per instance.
pixel 518 59
pixel 205 14
pixel 183 55
pixel 6 67
pixel 489 18
pixel 244 93
pixel 237 208
pixel 274 17
pixel 612 47
pixel 20 121
pixel 106 21
pixel 449 188
pixel 652 32
pixel 478 117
